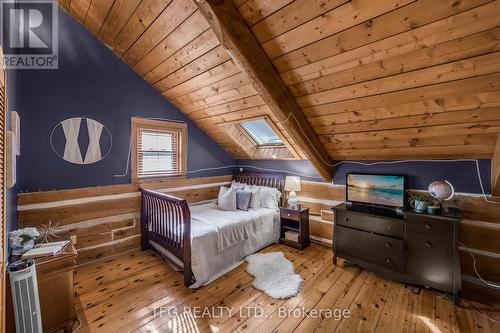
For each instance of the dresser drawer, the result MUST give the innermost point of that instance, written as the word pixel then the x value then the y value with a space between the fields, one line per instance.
pixel 290 214
pixel 384 226
pixel 428 225
pixel 431 259
pixel 384 251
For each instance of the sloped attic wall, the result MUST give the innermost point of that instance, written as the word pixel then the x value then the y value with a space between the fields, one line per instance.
pixel 92 82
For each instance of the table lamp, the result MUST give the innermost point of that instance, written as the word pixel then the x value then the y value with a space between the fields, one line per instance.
pixel 292 184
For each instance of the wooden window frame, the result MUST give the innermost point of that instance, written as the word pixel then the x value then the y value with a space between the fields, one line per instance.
pixel 137 124
pixel 271 125
pixel 256 151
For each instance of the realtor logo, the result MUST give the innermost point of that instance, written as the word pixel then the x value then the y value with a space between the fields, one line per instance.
pixel 29 34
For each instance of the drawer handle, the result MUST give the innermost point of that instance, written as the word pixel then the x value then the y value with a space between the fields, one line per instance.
pixel 428 243
pixel 288 214
pixel 389 261
pixel 389 245
pixel 428 226
pixel 346 219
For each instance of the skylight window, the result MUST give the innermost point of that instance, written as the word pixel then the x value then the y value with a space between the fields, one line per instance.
pixel 261 132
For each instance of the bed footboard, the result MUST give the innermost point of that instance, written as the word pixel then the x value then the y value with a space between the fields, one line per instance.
pixel 166 220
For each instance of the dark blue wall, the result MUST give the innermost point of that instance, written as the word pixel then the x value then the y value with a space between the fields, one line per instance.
pixel 303 169
pixel 11 193
pixel 463 175
pixel 91 81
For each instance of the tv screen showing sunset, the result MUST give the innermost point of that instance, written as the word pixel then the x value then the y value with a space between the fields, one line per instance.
pixel 376 189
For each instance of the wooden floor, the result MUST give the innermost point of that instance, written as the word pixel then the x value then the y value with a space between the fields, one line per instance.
pixel 138 291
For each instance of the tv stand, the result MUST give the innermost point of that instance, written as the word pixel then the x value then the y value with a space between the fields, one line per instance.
pixel 413 248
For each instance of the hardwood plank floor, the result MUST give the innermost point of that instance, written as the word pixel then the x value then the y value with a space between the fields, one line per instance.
pixel 137 291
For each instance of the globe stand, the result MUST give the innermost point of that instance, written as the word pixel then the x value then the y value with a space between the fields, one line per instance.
pixel 451 211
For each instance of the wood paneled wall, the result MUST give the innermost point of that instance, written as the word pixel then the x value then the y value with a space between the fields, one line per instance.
pixel 389 79
pixel 170 44
pixel 376 79
pixel 106 220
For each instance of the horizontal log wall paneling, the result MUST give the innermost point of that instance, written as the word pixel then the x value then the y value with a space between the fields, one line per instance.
pixel 106 220
pixel 320 197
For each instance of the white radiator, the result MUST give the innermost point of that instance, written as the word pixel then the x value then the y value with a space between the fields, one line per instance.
pixel 24 288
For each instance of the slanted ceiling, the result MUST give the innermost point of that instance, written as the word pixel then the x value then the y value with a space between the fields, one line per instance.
pixel 376 79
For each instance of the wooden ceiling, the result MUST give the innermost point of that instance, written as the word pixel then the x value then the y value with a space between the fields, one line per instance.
pixel 376 79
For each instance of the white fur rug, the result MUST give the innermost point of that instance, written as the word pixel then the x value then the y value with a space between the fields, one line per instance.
pixel 274 274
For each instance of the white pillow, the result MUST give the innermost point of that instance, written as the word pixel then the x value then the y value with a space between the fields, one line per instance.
pixel 255 200
pixel 227 198
pixel 269 197
pixel 237 185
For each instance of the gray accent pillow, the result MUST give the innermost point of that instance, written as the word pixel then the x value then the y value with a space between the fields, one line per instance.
pixel 243 199
pixel 255 200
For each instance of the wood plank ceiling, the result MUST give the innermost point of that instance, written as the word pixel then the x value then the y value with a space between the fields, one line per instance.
pixel 376 79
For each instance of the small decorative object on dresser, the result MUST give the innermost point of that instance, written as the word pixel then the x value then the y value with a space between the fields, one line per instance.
pixel 22 240
pixel 294 227
pixel 292 184
pixel 419 204
pixel 441 190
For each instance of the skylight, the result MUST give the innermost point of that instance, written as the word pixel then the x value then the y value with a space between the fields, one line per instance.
pixel 261 132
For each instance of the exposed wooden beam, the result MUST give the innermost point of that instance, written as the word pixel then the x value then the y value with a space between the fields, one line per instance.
pixel 237 38
pixel 495 169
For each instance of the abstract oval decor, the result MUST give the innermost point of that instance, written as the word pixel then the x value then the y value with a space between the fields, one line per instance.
pixel 81 140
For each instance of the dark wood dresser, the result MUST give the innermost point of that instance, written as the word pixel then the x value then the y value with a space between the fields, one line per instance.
pixel 55 276
pixel 413 248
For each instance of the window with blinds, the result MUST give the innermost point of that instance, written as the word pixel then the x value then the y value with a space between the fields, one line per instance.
pixel 160 148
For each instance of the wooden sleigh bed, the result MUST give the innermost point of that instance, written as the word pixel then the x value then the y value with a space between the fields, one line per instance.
pixel 166 220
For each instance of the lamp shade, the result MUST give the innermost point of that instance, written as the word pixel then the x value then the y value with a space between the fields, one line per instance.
pixel 292 183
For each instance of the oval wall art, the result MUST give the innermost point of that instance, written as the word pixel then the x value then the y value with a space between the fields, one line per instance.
pixel 81 140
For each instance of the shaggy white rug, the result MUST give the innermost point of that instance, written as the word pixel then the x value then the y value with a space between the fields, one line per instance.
pixel 274 274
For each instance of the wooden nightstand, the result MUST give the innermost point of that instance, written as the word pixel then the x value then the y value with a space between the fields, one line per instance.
pixel 298 221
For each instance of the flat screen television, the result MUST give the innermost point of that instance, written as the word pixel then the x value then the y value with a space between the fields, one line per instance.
pixel 372 189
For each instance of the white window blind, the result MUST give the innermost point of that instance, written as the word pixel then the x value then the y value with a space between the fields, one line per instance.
pixel 159 153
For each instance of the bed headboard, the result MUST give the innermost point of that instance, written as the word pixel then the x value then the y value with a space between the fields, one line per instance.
pixel 270 179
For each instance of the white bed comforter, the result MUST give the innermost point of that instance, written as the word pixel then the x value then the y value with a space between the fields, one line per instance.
pixel 221 239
